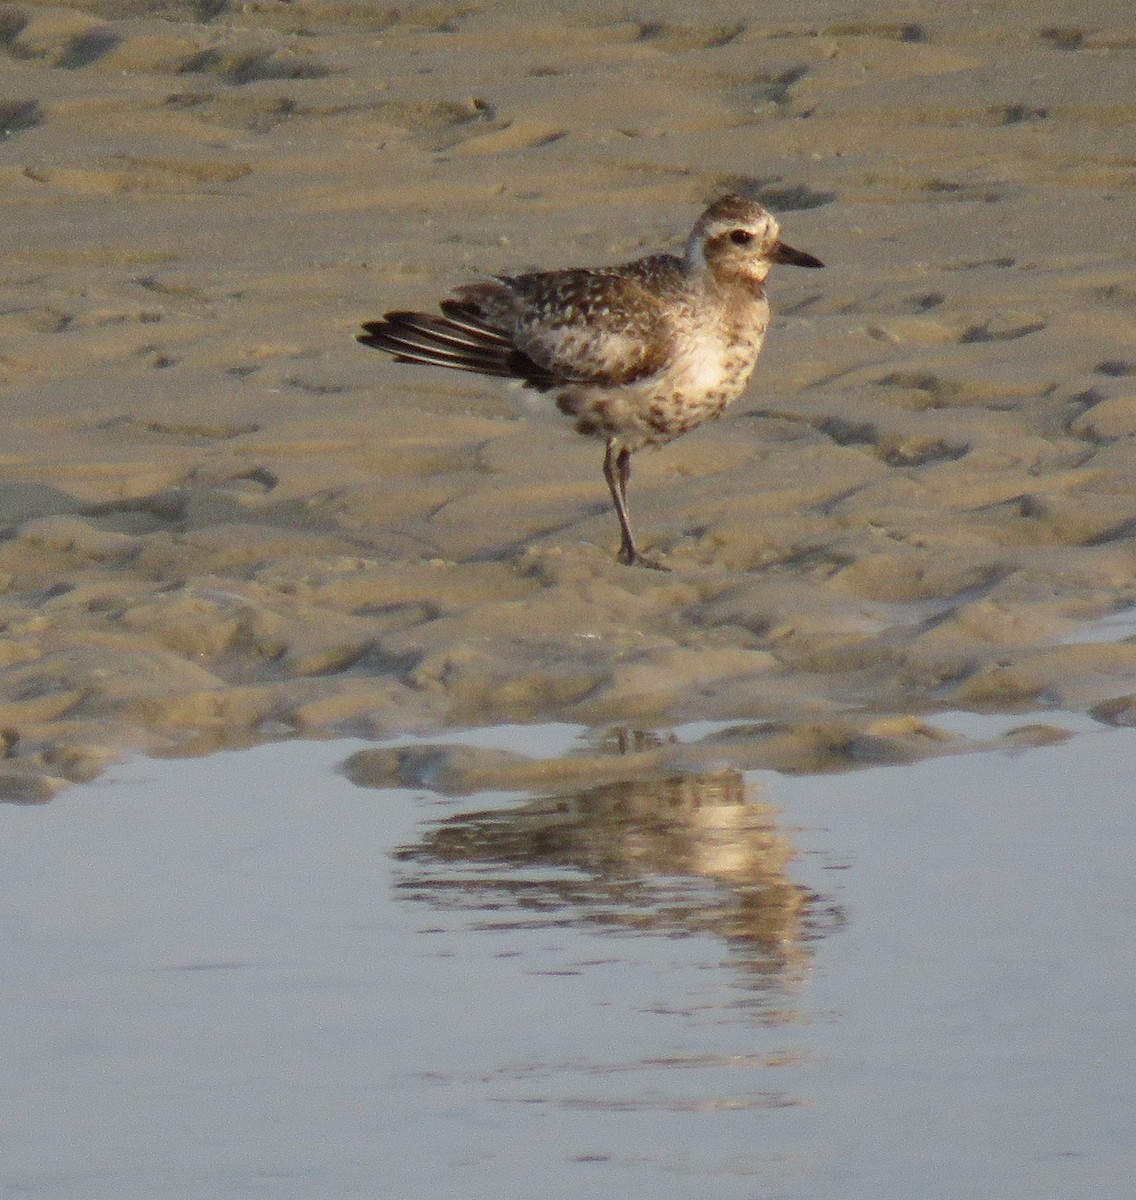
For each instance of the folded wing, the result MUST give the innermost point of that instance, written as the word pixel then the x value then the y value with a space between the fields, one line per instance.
pixel 547 329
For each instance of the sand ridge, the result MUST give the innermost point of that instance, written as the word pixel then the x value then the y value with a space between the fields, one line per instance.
pixel 223 521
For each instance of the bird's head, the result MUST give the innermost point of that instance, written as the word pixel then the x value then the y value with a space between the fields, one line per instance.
pixel 737 239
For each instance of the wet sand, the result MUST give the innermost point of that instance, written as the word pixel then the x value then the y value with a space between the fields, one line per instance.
pixel 223 521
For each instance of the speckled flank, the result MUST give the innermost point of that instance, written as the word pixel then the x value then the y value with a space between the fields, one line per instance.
pixel 636 354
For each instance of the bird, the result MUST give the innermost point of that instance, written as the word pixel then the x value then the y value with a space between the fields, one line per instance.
pixel 634 354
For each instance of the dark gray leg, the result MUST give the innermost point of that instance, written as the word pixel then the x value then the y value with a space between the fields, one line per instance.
pixel 617 471
pixel 623 466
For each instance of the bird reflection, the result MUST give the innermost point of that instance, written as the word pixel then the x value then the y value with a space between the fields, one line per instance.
pixel 681 854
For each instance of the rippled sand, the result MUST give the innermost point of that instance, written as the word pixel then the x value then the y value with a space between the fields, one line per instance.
pixel 225 521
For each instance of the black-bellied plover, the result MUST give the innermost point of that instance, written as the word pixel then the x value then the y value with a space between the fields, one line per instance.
pixel 635 354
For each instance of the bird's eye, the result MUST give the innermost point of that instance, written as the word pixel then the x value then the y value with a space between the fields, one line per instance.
pixel 741 237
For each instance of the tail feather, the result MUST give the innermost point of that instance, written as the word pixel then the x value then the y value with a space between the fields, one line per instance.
pixel 442 330
pixel 418 338
pixel 460 340
pixel 468 318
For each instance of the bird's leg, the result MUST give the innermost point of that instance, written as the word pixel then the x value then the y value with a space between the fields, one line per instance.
pixel 617 471
pixel 623 469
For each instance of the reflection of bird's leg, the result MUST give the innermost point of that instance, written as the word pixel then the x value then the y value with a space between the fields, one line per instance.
pixel 617 471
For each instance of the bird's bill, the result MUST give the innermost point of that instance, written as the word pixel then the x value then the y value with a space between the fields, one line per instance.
pixel 793 258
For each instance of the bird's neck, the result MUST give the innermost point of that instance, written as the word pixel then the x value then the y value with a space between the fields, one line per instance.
pixel 713 280
pixel 729 289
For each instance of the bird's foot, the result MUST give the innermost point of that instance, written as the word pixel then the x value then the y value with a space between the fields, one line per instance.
pixel 633 558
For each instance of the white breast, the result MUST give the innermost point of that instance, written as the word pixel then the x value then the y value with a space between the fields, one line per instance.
pixel 701 366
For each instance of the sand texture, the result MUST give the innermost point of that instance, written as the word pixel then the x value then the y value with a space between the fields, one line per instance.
pixel 222 521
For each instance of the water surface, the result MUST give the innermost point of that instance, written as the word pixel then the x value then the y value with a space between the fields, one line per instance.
pixel 242 975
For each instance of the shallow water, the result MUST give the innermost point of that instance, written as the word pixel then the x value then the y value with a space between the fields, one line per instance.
pixel 243 975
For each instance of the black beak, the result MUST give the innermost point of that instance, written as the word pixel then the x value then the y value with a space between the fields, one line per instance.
pixel 793 258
